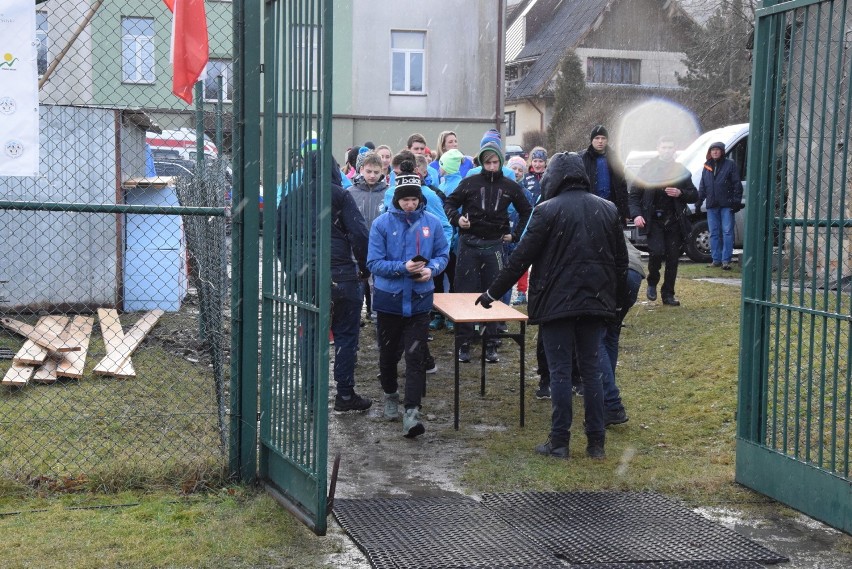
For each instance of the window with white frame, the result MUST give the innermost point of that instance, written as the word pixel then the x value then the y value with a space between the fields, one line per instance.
pixel 41 36
pixel 408 62
pixel 306 57
pixel 216 68
pixel 611 70
pixel 137 50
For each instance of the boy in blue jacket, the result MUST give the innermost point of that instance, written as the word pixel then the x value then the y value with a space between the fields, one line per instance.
pixel 407 249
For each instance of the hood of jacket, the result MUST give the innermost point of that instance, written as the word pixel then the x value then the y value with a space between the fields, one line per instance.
pixel 565 172
pixel 720 146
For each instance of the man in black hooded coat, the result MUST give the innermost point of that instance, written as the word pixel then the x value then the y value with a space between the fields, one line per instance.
pixel 575 244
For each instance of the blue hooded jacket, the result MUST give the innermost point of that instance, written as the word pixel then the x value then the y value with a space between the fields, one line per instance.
pixel 395 238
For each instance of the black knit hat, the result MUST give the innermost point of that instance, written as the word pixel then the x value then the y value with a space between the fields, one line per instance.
pixel 408 184
pixel 599 130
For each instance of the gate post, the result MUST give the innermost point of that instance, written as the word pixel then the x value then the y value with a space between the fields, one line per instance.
pixel 245 257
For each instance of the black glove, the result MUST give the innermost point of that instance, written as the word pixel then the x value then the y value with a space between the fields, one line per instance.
pixel 485 300
pixel 363 274
pixel 737 208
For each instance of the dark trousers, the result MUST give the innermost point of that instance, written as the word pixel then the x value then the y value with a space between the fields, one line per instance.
pixel 479 260
pixel 412 331
pixel 345 325
pixel 563 339
pixel 665 243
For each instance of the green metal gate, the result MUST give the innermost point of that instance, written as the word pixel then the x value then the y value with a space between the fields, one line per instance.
pixel 295 282
pixel 796 341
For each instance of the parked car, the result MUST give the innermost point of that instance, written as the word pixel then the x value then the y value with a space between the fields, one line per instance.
pixel 515 150
pixel 182 141
pixel 735 138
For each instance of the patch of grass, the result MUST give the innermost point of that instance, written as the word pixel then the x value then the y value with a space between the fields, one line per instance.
pixel 101 433
pixel 678 378
pixel 231 527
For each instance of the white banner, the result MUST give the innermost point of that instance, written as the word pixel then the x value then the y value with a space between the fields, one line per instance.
pixel 18 89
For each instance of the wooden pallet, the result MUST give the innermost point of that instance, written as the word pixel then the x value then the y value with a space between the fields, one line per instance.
pixel 120 346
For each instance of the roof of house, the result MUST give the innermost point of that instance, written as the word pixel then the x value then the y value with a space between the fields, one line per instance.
pixel 568 23
pixel 552 28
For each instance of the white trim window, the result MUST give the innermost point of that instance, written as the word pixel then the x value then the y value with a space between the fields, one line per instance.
pixel 408 62
pixel 613 71
pixel 215 68
pixel 137 50
pixel 41 35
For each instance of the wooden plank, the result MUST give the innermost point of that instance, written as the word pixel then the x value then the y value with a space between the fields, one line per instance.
pixel 18 375
pixel 113 337
pixel 33 354
pixel 49 341
pixel 79 332
pixel 46 372
pixel 118 363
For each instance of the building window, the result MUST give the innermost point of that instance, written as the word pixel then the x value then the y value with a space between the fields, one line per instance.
pixel 41 35
pixel 214 69
pixel 306 60
pixel 137 50
pixel 408 56
pixel 608 70
pixel 510 123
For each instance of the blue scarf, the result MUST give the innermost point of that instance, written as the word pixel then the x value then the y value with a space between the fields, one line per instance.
pixel 603 180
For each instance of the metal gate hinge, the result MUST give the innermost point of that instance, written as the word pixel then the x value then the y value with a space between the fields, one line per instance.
pixel 261 68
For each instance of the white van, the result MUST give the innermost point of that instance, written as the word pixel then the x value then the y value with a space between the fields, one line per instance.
pixel 179 144
pixel 693 157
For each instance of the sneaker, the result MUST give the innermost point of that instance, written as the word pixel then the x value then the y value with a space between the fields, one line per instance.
pixel 464 353
pixel 726 266
pixel 577 390
pixel 520 299
pixel 411 425
pixel 433 368
pixel 354 403
pixel 615 417
pixel 502 327
pixel 437 323
pixel 391 406
pixel 429 337
pixel 651 292
pixel 450 326
pixel 714 265
pixel 671 301
pixel 556 449
pixel 543 392
pixel 330 338
pixel 491 354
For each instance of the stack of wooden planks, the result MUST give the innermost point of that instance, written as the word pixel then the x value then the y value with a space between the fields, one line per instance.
pixel 57 346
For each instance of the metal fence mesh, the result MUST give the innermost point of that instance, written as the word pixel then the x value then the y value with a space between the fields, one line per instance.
pixel 114 286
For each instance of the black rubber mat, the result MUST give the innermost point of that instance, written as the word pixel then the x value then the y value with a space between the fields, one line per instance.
pixel 673 565
pixel 437 533
pixel 623 527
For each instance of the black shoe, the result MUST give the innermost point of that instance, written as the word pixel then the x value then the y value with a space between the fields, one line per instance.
pixel 464 353
pixel 714 265
pixel 556 449
pixel 595 447
pixel 651 292
pixel 577 390
pixel 431 366
pixel 726 266
pixel 354 403
pixel 671 301
pixel 491 354
pixel 615 417
pixel 502 327
pixel 429 337
pixel 543 392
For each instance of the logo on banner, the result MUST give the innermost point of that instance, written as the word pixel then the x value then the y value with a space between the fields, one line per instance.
pixel 14 149
pixel 8 63
pixel 7 105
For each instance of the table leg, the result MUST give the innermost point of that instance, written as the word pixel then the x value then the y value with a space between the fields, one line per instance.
pixel 456 394
pixel 484 336
pixel 523 370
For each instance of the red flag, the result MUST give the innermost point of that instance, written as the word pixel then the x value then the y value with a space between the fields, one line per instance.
pixel 189 44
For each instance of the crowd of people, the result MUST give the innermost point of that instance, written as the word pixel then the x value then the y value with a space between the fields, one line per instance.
pixel 407 225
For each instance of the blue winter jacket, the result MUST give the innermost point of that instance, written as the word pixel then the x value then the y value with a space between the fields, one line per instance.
pixel 434 205
pixel 395 238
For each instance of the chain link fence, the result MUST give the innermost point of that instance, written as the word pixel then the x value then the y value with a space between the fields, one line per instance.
pixel 114 275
